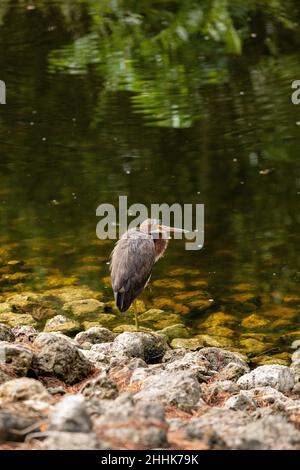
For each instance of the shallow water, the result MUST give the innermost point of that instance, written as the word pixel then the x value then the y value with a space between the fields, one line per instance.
pixel 191 123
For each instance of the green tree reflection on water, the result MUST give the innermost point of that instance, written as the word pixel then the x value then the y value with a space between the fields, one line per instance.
pixel 165 101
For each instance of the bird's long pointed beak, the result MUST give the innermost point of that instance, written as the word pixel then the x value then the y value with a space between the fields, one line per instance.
pixel 165 228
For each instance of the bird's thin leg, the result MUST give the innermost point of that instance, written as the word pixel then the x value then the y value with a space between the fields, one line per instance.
pixel 136 320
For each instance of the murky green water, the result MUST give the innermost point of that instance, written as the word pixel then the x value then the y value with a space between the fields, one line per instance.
pixel 109 98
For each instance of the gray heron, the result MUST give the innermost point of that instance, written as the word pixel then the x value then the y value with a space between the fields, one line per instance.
pixel 133 258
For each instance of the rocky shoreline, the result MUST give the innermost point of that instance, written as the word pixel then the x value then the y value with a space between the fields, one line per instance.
pixel 131 390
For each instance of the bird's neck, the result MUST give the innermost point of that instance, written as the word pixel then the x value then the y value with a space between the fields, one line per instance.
pixel 160 247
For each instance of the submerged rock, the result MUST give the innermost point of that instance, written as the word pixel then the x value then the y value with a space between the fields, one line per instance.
pixel 104 319
pixel 62 324
pixel 175 331
pixel 16 319
pixel 84 308
pixel 72 293
pixel 255 321
pixel 191 344
pixel 159 319
pixel 58 356
pixel 169 284
pixel 5 308
pixel 219 319
pixel 276 376
pixel 215 340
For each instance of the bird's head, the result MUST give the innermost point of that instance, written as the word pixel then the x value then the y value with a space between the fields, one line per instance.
pixel 154 228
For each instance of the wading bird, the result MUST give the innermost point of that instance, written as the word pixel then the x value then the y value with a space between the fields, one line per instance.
pixel 132 260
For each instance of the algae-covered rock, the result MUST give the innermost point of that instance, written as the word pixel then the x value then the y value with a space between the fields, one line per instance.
pixel 19 301
pixel 281 323
pixel 16 319
pixel 221 331
pixel 104 319
pixel 215 341
pixel 159 319
pixel 242 297
pixel 175 284
pixel 62 324
pixel 14 278
pixel 191 344
pixel 36 305
pixel 176 331
pixel 5 307
pixel 84 308
pixel 181 309
pixel 201 304
pixel 125 327
pixel 283 359
pixel 72 293
pixel 219 319
pixel 255 321
pixel 200 283
pixel 164 302
pixel 278 311
pixel 254 346
pixel 138 307
pixel 58 280
pixel 185 272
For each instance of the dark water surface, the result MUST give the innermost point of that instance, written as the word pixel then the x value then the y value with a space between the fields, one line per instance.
pixel 111 99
